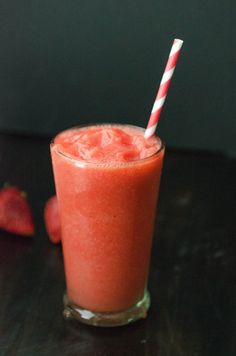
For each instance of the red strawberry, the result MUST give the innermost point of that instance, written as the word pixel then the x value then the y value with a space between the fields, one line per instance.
pixel 15 212
pixel 52 220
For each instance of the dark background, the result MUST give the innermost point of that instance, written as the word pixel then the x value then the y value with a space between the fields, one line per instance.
pixel 64 63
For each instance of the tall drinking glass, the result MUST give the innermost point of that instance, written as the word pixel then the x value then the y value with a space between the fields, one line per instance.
pixel 107 211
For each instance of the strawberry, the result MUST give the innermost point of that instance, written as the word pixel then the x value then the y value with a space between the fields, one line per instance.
pixel 52 219
pixel 15 212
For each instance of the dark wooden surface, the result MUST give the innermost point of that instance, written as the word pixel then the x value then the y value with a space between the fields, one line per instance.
pixel 193 269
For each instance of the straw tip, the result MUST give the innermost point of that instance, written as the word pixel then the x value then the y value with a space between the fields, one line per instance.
pixel 178 40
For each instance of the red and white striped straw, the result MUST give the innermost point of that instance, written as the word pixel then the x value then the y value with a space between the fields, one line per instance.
pixel 163 89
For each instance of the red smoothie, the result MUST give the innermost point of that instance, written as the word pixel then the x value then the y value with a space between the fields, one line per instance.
pixel 107 181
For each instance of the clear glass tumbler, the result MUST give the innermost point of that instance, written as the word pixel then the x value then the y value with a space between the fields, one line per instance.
pixel 107 215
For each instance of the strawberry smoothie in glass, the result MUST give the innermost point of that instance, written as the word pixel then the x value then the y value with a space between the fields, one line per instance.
pixel 107 180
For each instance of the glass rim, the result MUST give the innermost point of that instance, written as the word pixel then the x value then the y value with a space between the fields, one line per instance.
pixel 80 162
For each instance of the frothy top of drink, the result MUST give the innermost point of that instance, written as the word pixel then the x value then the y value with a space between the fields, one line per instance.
pixel 107 143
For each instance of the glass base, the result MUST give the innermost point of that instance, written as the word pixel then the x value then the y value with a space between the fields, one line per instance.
pixel 138 311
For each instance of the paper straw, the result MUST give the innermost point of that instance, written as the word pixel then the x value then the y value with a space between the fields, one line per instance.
pixel 163 89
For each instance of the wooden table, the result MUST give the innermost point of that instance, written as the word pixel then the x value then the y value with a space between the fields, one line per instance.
pixel 193 269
